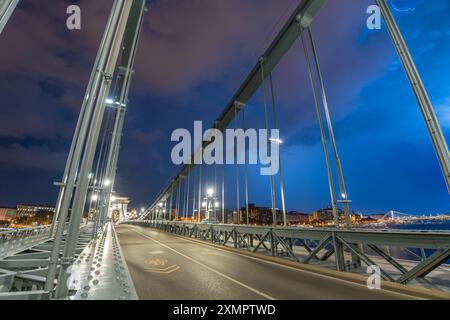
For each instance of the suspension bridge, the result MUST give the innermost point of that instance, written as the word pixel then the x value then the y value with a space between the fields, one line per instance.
pixel 187 244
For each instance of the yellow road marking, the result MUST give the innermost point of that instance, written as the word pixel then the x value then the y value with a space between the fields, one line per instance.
pixel 156 262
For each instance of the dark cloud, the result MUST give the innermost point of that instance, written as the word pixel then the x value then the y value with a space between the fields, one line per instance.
pixel 52 87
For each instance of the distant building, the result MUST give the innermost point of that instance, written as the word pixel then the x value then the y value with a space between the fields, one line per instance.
pixel 295 217
pixel 355 218
pixel 326 214
pixel 118 209
pixel 7 213
pixel 261 215
pixel 257 215
pixel 26 210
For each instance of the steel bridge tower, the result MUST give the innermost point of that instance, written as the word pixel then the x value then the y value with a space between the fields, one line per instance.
pixel 121 38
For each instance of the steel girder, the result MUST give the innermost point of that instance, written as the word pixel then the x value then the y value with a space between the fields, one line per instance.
pixel 427 265
pixel 12 242
pixel 401 238
pixel 23 274
pixel 6 10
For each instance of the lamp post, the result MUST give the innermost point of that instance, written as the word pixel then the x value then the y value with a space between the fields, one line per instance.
pixel 279 142
pixel 160 211
pixel 210 204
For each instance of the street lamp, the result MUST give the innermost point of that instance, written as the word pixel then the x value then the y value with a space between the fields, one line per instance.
pixel 210 204
pixel 160 211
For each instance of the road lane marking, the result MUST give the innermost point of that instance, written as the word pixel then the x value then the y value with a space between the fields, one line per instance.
pixel 167 270
pixel 207 267
pixel 348 282
pixel 156 252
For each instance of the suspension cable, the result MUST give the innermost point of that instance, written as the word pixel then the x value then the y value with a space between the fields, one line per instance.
pixel 322 131
pixel 266 113
pixel 275 121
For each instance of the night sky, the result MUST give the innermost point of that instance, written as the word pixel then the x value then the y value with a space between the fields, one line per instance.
pixel 193 56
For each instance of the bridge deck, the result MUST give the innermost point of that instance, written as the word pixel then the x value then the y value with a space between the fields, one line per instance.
pixel 164 266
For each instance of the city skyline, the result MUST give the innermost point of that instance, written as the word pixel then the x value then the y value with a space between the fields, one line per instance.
pixel 385 150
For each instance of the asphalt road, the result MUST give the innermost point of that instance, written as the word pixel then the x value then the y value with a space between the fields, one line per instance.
pixel 167 267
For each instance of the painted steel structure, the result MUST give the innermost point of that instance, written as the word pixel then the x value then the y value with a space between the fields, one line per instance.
pixel 120 102
pixel 15 241
pixel 99 271
pixel 121 36
pixel 87 128
pixel 6 10
pixel 23 273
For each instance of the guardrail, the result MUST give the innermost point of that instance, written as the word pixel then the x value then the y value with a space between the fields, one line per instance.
pixel 15 241
pixel 348 248
pixel 24 270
